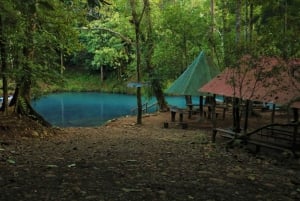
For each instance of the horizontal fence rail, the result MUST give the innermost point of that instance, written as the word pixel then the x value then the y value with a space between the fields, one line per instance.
pixel 146 107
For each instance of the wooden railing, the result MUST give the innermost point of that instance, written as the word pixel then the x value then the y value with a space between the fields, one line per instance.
pixel 275 136
pixel 146 107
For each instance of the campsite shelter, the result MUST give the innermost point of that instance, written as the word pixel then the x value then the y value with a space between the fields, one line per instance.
pixel 269 80
pixel 198 73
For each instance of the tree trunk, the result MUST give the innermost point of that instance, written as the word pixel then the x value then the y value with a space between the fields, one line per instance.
pixel 101 74
pixel 247 109
pixel 285 50
pixel 159 94
pixel 213 108
pixel 3 55
pixel 238 21
pixel 236 115
pixel 138 59
pixel 251 22
pixel 61 62
pixel 212 27
pixel 14 100
pixel 23 99
pixel 296 114
pixel 236 102
pixel 225 41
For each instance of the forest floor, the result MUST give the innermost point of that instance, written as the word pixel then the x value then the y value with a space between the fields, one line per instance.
pixel 128 162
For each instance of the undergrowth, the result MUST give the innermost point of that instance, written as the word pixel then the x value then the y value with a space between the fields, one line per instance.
pixel 83 81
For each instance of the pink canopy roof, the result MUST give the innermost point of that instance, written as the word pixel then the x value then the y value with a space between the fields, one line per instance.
pixel 267 80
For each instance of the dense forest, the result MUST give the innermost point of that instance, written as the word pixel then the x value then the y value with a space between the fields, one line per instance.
pixel 143 41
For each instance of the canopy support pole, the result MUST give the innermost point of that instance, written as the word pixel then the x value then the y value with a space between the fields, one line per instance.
pixel 296 114
pixel 236 115
pixel 213 108
pixel 201 106
pixel 246 116
pixel 273 113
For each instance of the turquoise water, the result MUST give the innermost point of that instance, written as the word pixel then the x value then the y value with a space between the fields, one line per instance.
pixel 91 108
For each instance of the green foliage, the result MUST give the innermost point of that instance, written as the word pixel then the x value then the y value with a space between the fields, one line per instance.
pixel 108 48
pixel 279 28
pixel 78 81
pixel 179 38
pixel 181 29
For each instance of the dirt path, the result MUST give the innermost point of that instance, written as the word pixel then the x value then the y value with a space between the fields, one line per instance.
pixel 124 161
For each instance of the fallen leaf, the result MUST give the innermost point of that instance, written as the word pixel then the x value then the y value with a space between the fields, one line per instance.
pixel 72 165
pixel 11 161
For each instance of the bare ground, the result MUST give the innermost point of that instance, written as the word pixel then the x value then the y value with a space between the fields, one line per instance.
pixel 125 161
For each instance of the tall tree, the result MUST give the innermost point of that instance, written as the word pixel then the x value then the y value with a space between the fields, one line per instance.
pixel 136 20
pixel 212 13
pixel 43 28
pixel 8 26
pixel 3 57
pixel 237 101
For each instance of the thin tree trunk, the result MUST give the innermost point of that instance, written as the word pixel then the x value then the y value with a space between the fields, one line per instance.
pixel 101 74
pixel 213 108
pixel 296 114
pixel 246 27
pixel 236 102
pixel 247 109
pixel 224 33
pixel 236 115
pixel 212 12
pixel 14 100
pixel 238 21
pixel 61 62
pixel 285 50
pixel 3 69
pixel 251 22
pixel 136 22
